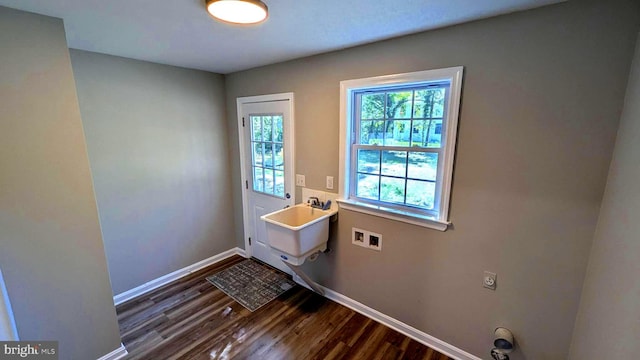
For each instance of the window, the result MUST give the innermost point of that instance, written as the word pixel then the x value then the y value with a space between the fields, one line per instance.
pixel 267 157
pixel 398 137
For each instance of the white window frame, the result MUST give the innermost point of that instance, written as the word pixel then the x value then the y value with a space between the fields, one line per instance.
pixel 443 187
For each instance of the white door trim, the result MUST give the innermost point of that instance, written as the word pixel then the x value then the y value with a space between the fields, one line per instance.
pixel 289 137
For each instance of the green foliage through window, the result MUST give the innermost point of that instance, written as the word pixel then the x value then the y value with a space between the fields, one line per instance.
pixel 409 122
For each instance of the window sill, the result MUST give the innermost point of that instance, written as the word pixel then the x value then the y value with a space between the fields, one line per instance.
pixel 393 214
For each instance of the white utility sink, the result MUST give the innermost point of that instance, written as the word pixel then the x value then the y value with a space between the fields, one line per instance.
pixel 298 231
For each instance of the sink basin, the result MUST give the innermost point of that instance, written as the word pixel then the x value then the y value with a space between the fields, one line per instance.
pixel 298 230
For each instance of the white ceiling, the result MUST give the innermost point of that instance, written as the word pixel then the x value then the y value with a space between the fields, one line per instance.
pixel 181 33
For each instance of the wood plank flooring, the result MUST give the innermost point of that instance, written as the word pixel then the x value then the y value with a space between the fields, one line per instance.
pixel 192 319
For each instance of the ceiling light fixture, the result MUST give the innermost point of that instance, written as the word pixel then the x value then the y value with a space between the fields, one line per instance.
pixel 238 11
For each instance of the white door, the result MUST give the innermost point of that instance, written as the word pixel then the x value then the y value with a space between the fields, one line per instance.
pixel 266 140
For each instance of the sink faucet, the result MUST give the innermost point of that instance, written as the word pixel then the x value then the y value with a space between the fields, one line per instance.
pixel 315 202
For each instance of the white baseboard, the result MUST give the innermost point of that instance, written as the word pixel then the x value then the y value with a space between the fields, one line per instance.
pixel 163 280
pixel 116 354
pixel 419 336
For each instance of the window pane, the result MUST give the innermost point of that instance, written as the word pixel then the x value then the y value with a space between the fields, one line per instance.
pixel 369 161
pixel 277 128
pixel 256 128
pixel 394 163
pixel 429 103
pixel 371 132
pixel 279 190
pixel 266 128
pixel 278 156
pixel 397 133
pixel 399 105
pixel 423 166
pixel 367 186
pixel 392 190
pixel 268 155
pixel 258 179
pixel 419 133
pixel 268 181
pixel 421 193
pixel 257 153
pixel 435 134
pixel 427 133
pixel 372 106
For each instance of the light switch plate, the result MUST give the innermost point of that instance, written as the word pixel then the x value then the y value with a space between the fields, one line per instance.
pixel 300 181
pixel 329 182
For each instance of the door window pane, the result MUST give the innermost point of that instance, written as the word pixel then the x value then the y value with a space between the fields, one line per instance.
pixel 278 156
pixel 268 181
pixel 277 128
pixel 258 179
pixel 257 154
pixel 256 128
pixel 268 155
pixel 279 189
pixel 266 128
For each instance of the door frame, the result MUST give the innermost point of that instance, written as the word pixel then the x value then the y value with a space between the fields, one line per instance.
pixel 289 137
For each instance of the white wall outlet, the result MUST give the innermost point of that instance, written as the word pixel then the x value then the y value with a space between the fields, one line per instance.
pixel 366 239
pixel 375 241
pixel 329 182
pixel 358 237
pixel 300 180
pixel 489 280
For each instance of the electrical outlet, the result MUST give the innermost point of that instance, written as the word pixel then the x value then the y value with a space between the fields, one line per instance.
pixel 300 180
pixel 489 280
pixel 366 239
pixel 375 241
pixel 329 182
pixel 358 237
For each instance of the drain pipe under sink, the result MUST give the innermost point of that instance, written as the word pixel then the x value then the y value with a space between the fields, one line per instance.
pixel 296 269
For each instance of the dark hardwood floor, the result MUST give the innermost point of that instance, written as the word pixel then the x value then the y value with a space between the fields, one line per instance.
pixel 192 319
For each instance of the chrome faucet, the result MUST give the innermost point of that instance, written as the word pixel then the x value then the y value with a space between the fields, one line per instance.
pixel 315 202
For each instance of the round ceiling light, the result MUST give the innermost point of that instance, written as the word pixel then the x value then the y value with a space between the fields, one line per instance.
pixel 238 11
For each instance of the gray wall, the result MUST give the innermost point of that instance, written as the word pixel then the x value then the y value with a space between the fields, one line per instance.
pixel 52 255
pixel 157 143
pixel 542 96
pixel 608 323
